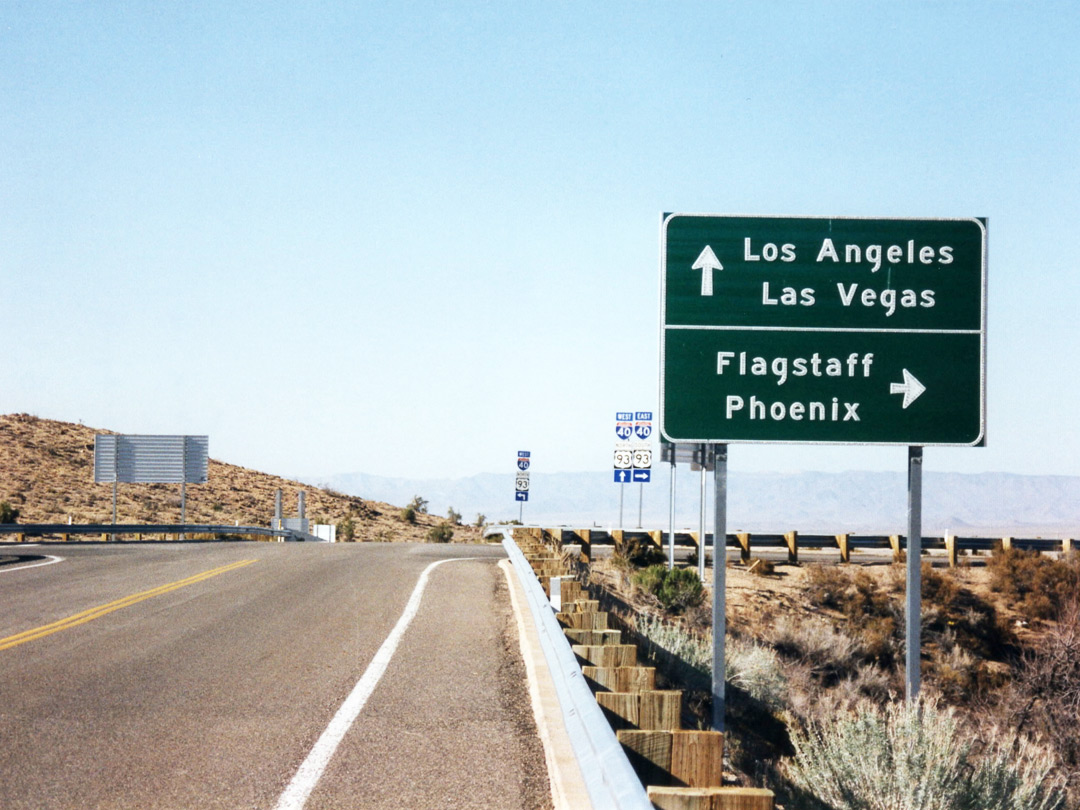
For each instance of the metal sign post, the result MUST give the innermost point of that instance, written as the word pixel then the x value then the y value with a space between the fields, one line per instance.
pixel 719 603
pixel 671 516
pixel 913 611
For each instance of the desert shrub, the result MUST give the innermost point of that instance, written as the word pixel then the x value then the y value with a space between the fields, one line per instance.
pixel 441 533
pixel 957 617
pixel 418 504
pixel 692 649
pixel 755 669
pixel 8 513
pixel 874 618
pixel 346 530
pixel 453 516
pixel 677 589
pixel 1034 584
pixel 1044 697
pixel 408 514
pixel 914 756
pixel 649 579
pixel 829 652
pixel 826 585
pixel 681 589
pixel 632 553
pixel 480 520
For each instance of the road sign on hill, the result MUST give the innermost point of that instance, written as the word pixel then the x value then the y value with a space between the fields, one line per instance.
pixel 823 330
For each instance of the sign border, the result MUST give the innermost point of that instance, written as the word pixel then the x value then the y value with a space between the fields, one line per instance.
pixel 980 441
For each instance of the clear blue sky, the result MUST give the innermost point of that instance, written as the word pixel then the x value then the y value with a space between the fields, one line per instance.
pixel 412 239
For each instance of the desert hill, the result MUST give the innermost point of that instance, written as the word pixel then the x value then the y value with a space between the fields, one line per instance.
pixel 47 474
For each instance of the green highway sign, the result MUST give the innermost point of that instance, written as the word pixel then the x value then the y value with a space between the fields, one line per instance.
pixel 823 330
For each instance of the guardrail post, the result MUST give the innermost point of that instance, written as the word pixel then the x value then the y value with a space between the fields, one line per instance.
pixel 792 539
pixel 657 538
pixel 744 544
pixel 845 549
pixel 1068 547
pixel 950 548
pixel 586 545
pixel 894 541
pixel 65 537
pixel 1006 543
pixel 20 538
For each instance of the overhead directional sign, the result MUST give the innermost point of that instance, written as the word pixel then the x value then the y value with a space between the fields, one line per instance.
pixel 823 330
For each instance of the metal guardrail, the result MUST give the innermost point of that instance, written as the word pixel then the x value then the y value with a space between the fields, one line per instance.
pixel 610 779
pixel 843 542
pixel 42 529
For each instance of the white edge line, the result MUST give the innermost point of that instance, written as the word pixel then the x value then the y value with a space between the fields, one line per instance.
pixel 311 769
pixel 49 561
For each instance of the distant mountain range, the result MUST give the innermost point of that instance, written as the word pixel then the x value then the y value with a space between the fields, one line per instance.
pixel 863 502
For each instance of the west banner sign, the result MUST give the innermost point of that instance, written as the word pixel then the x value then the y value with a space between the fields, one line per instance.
pixel 823 330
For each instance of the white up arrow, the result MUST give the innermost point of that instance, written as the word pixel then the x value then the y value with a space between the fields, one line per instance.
pixel 706 263
pixel 911 388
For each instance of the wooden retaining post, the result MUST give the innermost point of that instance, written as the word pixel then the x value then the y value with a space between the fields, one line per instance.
pixel 744 544
pixel 845 549
pixel 1006 543
pixel 1068 547
pixel 720 798
pixel 657 538
pixel 621 679
pixel 792 539
pixel 648 711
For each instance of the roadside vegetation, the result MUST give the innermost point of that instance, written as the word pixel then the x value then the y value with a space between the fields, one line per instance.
pixel 816 682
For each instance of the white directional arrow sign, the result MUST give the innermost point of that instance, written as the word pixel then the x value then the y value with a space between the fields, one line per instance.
pixel 911 388
pixel 706 263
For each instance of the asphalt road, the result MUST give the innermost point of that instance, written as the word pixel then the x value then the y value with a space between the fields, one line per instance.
pixel 209 671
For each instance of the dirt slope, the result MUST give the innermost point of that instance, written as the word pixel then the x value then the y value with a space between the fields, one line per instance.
pixel 47 473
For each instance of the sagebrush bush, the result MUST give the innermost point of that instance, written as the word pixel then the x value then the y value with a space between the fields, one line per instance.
pixel 442 533
pixel 914 756
pixel 1032 583
pixel 649 579
pixel 752 667
pixel 830 653
pixel 677 589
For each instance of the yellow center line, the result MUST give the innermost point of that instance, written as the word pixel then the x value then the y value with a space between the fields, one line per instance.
pixel 102 610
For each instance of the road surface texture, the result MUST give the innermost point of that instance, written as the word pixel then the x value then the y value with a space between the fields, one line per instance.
pixel 208 672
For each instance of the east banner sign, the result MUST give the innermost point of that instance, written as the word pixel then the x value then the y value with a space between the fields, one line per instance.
pixel 823 330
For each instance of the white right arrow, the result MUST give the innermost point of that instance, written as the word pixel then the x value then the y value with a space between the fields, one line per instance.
pixel 706 263
pixel 911 388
